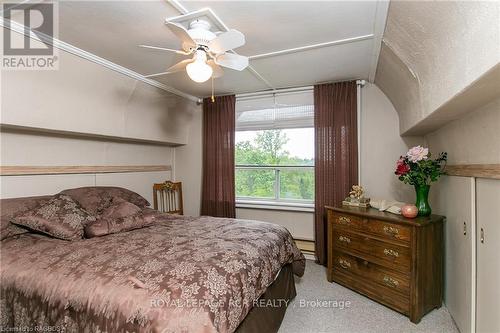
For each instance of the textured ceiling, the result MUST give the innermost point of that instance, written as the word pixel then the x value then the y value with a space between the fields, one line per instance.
pixel 113 29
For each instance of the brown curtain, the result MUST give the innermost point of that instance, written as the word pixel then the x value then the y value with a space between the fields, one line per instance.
pixel 218 198
pixel 336 152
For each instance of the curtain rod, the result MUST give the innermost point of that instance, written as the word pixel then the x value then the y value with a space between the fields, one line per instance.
pixel 285 90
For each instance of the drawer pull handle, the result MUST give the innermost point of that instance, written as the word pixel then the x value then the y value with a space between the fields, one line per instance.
pixel 393 231
pixel 344 263
pixel 344 220
pixel 390 281
pixel 389 252
pixel 344 239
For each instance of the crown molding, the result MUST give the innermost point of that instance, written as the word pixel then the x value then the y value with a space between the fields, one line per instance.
pixel 21 29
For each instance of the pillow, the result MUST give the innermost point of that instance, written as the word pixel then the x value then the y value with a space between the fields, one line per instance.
pixel 97 198
pixel 60 217
pixel 10 230
pixel 120 216
pixel 12 207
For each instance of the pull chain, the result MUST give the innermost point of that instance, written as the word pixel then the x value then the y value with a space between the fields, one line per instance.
pixel 213 98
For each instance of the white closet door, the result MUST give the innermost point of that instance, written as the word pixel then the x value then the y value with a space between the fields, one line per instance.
pixel 488 256
pixel 454 199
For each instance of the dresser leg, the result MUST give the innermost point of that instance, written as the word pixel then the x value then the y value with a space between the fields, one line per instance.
pixel 329 275
pixel 415 318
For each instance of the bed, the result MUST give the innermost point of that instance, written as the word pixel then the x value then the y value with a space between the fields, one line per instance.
pixel 178 274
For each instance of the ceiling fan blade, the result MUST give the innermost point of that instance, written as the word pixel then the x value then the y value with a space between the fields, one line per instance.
pixel 227 41
pixel 157 74
pixel 179 66
pixel 233 61
pixel 162 49
pixel 182 34
pixel 218 71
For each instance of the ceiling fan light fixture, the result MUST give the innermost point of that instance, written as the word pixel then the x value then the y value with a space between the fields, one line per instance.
pixel 199 71
pixel 210 50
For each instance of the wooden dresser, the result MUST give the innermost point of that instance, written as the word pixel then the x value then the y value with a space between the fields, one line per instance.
pixel 391 259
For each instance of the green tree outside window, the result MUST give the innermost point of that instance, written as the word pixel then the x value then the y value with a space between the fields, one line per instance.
pixel 268 149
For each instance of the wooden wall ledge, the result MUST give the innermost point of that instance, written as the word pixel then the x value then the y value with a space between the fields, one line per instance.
pixel 78 169
pixel 474 170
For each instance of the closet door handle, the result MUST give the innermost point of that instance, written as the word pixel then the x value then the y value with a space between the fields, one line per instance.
pixel 465 229
pixel 482 236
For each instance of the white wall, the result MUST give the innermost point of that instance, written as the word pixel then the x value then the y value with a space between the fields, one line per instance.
pixel 381 146
pixel 300 224
pixel 472 139
pixel 188 166
pixel 75 116
pixel 84 97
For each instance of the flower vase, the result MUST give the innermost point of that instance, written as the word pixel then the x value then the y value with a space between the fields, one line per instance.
pixel 422 191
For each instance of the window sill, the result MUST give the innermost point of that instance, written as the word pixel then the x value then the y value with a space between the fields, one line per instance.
pixel 272 205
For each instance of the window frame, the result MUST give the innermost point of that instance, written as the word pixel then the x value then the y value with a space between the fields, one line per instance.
pixel 282 111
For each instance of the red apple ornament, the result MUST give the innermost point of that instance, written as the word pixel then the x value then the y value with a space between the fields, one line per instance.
pixel 409 211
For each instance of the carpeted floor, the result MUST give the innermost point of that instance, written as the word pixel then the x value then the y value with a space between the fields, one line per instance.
pixel 362 315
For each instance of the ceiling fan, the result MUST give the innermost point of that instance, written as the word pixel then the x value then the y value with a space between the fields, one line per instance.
pixel 208 50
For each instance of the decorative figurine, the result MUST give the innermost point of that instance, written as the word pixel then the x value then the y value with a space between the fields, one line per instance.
pixel 356 197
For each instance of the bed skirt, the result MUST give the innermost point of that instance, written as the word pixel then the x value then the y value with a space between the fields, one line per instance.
pixel 269 310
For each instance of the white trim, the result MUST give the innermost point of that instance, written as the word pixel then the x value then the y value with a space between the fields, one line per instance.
pixel 274 92
pixel 309 256
pixel 381 10
pixel 177 5
pixel 290 90
pixel 19 28
pixel 273 205
pixel 473 233
pixel 258 75
pixel 187 16
pixel 359 85
pixel 311 47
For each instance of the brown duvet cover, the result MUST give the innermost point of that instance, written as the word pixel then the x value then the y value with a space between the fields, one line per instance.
pixel 180 275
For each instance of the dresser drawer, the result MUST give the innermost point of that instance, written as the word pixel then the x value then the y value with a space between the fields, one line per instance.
pixel 376 227
pixel 381 294
pixel 373 272
pixel 385 254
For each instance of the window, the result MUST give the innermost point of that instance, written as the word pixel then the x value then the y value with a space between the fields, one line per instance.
pixel 275 150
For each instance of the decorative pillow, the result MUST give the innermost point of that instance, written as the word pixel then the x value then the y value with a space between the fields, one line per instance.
pixel 120 216
pixel 60 217
pixel 9 230
pixel 96 199
pixel 13 207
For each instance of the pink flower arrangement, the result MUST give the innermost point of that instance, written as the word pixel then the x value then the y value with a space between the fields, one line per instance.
pixel 417 153
pixel 417 167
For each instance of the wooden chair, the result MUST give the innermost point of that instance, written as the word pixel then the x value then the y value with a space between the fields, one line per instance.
pixel 167 197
